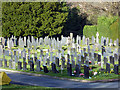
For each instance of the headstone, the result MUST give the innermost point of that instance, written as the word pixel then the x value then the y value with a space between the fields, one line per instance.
pixel 31 66
pixel 57 61
pixel 24 65
pixel 99 58
pixel 105 60
pixel 48 62
pixel 82 59
pixel 38 65
pixel 45 69
pixel 97 38
pixel 108 67
pixel 1 63
pixel 19 65
pixel 116 70
pixel 5 63
pixel 69 69
pixel 86 71
pixel 77 69
pixel 112 60
pixel 10 64
pixel 14 65
pixel 54 68
pixel 115 57
pixel 63 62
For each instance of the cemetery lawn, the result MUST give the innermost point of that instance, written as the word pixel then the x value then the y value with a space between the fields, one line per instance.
pixel 101 75
pixel 21 87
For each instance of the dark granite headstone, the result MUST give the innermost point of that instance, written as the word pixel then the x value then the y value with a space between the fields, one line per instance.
pixel 85 55
pixel 45 69
pixel 116 69
pixel 108 67
pixel 54 68
pixel 68 58
pixel 31 66
pixel 57 61
pixel 112 60
pixel 103 50
pixel 119 61
pixel 86 71
pixel 77 69
pixel 104 42
pixel 69 69
pixel 19 65
pixel 99 58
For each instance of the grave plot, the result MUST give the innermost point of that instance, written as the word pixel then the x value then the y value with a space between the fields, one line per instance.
pixel 82 58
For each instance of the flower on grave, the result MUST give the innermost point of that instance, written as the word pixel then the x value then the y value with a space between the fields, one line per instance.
pixel 90 68
pixel 81 74
pixel 95 73
pixel 90 62
pixel 74 72
pixel 100 64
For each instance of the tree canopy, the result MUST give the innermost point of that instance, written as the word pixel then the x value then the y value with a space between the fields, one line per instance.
pixel 33 18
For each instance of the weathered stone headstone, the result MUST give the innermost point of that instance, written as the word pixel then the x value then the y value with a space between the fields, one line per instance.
pixel 5 63
pixel 10 64
pixel 57 61
pixel 38 65
pixel 1 63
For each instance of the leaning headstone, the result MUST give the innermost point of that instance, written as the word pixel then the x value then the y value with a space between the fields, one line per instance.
pixel 108 67
pixel 45 69
pixel 116 69
pixel 54 67
pixel 86 71
pixel 69 69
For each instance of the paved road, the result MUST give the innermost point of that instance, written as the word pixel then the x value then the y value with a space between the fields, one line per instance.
pixel 50 82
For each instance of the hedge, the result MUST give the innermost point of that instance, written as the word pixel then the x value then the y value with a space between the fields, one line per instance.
pixel 90 31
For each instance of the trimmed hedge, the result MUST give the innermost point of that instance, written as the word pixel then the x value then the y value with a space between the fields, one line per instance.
pixel 103 26
pixel 106 26
pixel 90 31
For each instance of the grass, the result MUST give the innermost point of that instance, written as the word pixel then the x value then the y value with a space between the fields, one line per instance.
pixel 24 87
pixel 64 72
